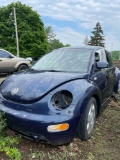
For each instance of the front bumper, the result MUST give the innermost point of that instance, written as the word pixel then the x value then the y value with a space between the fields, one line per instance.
pixel 34 125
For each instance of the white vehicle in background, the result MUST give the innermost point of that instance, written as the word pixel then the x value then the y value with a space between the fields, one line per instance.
pixel 10 63
pixel 30 59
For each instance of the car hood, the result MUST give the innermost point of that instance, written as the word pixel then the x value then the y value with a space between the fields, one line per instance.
pixel 31 85
pixel 20 59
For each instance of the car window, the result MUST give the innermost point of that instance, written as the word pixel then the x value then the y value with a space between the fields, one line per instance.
pixel 103 56
pixel 97 57
pixel 100 55
pixel 69 60
pixel 4 54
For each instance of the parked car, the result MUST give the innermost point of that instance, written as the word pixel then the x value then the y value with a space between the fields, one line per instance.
pixel 61 95
pixel 10 63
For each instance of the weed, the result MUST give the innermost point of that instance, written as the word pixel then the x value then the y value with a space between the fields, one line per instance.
pixel 7 143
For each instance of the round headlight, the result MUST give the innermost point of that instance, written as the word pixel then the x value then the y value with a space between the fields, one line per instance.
pixel 62 99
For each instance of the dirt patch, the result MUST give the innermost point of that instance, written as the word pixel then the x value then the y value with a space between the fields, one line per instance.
pixel 104 144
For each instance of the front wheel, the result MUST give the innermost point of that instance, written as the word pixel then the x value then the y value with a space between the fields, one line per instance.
pixel 88 119
pixel 22 67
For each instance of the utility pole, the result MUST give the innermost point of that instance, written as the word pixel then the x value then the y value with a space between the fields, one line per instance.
pixel 16 31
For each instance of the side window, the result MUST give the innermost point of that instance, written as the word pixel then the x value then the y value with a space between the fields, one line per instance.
pixel 97 57
pixel 4 54
pixel 109 58
pixel 103 56
pixel 100 55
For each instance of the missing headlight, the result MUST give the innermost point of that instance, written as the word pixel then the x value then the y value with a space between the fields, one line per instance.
pixel 62 99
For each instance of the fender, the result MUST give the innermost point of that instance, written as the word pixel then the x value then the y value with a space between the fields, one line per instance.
pixel 22 62
pixel 81 90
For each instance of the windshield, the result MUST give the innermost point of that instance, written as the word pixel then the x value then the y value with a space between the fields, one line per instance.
pixel 65 60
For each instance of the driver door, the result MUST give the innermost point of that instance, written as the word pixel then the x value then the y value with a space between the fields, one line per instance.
pixel 104 78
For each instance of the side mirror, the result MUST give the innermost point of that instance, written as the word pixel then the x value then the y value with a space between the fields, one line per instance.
pixel 101 65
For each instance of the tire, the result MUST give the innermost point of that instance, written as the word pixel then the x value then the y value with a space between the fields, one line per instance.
pixel 88 119
pixel 22 67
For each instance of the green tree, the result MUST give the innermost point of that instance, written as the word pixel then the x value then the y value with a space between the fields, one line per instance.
pixel 116 55
pixel 97 39
pixel 50 33
pixel 31 32
pixel 55 43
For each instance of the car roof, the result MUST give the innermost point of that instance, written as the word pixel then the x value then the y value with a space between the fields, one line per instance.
pixel 83 47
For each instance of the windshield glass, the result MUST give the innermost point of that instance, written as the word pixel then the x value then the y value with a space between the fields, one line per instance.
pixel 66 60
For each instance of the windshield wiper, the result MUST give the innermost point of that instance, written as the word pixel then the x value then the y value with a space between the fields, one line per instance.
pixel 51 70
pixel 47 70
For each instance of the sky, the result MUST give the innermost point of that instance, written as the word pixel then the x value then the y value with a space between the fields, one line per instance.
pixel 73 20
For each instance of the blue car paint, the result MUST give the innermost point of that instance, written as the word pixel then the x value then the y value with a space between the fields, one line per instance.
pixel 40 84
pixel 30 113
pixel 42 114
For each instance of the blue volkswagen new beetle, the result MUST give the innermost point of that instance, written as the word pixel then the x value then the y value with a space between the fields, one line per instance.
pixel 60 96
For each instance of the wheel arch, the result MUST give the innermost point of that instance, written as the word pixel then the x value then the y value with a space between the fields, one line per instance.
pixel 81 132
pixel 21 65
pixel 98 102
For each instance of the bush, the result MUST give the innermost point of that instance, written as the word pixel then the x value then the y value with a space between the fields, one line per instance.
pixel 8 143
pixel 2 123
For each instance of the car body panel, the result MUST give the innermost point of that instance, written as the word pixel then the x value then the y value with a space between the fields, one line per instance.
pixel 105 81
pixel 33 88
pixel 43 114
pixel 26 98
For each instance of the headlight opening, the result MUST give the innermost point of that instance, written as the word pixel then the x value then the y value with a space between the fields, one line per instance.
pixel 62 99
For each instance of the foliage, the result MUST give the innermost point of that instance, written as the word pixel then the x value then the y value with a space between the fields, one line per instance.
pixel 8 143
pixel 31 32
pixel 2 123
pixel 116 55
pixel 53 42
pixel 97 38
pixel 50 33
